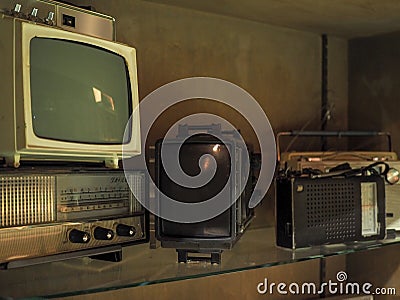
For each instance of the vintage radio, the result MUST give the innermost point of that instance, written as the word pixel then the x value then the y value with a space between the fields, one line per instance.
pixel 318 211
pixel 325 161
pixel 45 212
pixel 221 232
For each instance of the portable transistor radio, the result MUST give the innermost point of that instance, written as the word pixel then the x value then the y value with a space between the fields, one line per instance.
pixel 325 161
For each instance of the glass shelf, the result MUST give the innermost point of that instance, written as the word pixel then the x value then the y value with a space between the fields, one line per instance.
pixel 143 266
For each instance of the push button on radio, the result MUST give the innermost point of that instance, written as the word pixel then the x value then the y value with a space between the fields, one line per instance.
pixel 125 230
pixel 101 233
pixel 78 236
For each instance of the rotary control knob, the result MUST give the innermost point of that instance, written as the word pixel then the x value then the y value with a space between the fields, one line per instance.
pixel 50 18
pixel 33 16
pixel 101 233
pixel 17 8
pixel 126 230
pixel 392 176
pixel 78 236
pixel 34 12
pixel 16 11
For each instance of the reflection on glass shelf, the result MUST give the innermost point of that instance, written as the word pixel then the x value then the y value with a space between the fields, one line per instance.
pixel 143 266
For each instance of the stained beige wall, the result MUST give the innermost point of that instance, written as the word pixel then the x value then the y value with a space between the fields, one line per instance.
pixel 337 84
pixel 374 76
pixel 374 94
pixel 280 67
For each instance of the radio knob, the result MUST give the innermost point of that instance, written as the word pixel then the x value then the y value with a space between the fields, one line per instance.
pixel 125 230
pixel 101 233
pixel 78 236
pixel 392 176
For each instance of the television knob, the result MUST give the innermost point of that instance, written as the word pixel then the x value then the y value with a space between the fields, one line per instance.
pixel 50 17
pixel 78 236
pixel 17 8
pixel 101 233
pixel 34 12
pixel 126 230
pixel 16 11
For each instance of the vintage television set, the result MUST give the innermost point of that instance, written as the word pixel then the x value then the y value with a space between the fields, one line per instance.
pixel 65 96
pixel 206 239
pixel 66 101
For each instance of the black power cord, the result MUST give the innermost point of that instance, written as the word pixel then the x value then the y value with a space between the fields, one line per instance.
pixel 391 175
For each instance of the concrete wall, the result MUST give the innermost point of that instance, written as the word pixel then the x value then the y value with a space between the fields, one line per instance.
pixel 374 76
pixel 279 67
pixel 374 94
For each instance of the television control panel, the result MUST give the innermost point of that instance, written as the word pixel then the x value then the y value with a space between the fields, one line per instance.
pixel 63 16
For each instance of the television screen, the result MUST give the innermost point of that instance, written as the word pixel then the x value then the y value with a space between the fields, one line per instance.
pixel 189 155
pixel 79 92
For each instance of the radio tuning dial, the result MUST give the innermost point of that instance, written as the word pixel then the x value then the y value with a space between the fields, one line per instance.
pixel 392 176
pixel 125 230
pixel 78 236
pixel 101 233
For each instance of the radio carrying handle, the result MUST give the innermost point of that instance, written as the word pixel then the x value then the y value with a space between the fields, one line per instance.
pixel 339 134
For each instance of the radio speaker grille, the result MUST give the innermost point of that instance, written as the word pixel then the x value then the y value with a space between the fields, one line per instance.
pixel 138 186
pixel 331 207
pixel 27 200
